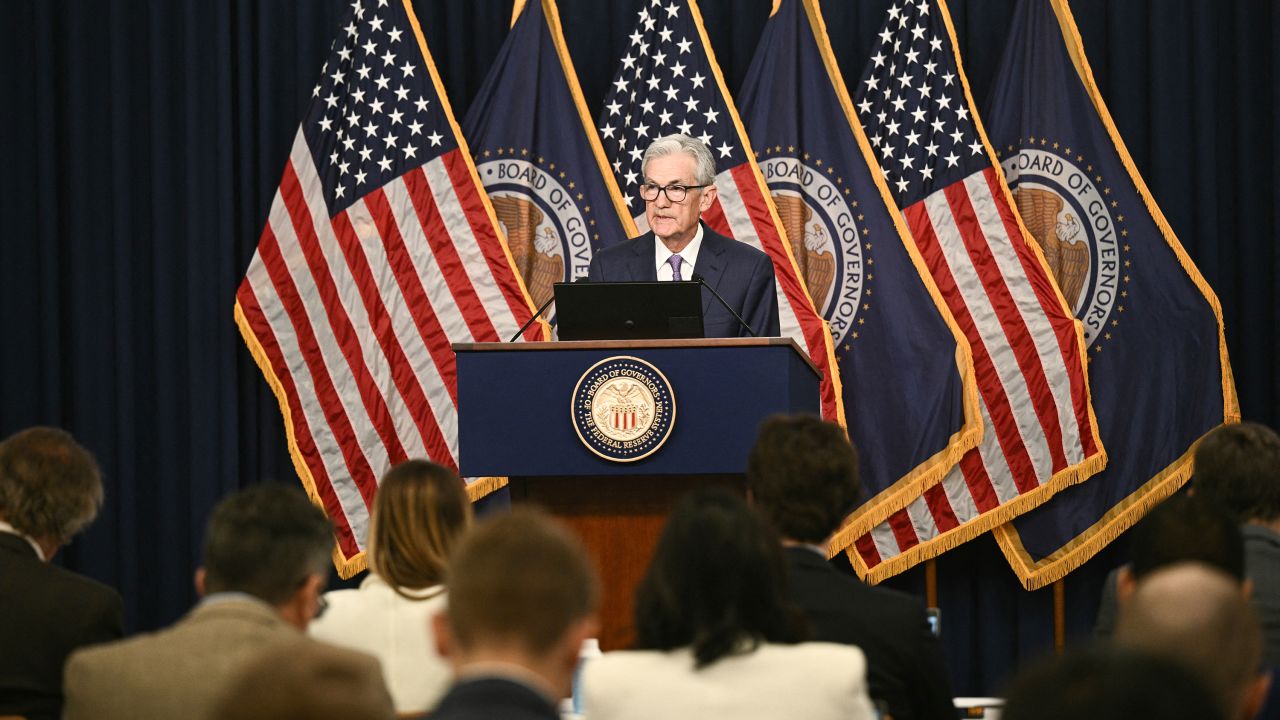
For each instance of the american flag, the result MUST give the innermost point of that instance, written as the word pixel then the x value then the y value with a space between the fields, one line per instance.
pixel 380 251
pixel 1039 430
pixel 910 398
pixel 668 82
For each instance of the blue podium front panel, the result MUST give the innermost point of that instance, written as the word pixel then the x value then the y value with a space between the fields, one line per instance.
pixel 516 404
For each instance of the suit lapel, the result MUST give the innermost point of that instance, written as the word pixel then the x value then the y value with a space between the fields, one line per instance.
pixel 710 263
pixel 640 266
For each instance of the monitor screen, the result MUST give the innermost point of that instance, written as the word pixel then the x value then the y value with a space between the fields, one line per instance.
pixel 628 310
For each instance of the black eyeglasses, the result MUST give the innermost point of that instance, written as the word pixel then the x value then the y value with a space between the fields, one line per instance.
pixel 675 193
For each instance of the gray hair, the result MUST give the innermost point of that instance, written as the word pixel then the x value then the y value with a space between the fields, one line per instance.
pixel 50 486
pixel 691 146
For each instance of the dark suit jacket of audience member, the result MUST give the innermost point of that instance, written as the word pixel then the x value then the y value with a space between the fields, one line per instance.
pixel 1262 566
pixel 490 698
pixel 46 612
pixel 905 668
pixel 740 273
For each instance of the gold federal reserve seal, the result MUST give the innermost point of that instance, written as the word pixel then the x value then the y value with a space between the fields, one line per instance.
pixel 623 409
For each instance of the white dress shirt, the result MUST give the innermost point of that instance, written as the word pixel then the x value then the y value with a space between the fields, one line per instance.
pixel 688 256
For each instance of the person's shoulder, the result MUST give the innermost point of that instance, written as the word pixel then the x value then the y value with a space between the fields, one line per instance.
pixel 81 585
pixel 730 246
pixel 814 654
pixel 893 610
pixel 111 656
pixel 60 591
pixel 627 247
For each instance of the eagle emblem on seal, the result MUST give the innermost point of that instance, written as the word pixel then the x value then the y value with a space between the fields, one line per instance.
pixel 809 246
pixel 534 245
pixel 1060 238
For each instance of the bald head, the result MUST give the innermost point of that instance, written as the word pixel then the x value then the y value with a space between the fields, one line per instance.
pixel 1198 616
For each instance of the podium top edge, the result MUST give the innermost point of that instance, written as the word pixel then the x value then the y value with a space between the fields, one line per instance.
pixel 636 345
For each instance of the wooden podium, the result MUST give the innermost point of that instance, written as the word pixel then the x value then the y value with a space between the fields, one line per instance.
pixel 516 420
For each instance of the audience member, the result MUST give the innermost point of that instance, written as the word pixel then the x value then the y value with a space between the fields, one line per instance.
pixel 50 489
pixel 1195 615
pixel 1107 683
pixel 306 681
pixel 1238 466
pixel 420 510
pixel 802 476
pixel 522 597
pixel 1180 529
pixel 717 636
pixel 266 557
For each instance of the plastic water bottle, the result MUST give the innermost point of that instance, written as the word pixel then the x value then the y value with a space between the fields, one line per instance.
pixel 590 651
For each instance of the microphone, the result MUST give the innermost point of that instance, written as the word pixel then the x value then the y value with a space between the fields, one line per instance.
pixel 703 282
pixel 541 310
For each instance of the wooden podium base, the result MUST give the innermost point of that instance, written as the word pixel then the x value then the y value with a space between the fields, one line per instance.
pixel 619 518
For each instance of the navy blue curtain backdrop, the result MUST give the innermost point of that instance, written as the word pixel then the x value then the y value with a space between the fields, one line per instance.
pixel 142 143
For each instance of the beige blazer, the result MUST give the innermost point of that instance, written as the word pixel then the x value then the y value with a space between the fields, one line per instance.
pixel 814 681
pixel 175 673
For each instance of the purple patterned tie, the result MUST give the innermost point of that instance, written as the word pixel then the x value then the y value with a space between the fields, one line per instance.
pixel 674 261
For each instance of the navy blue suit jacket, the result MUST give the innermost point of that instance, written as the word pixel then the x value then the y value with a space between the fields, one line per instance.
pixel 905 668
pixel 740 273
pixel 492 698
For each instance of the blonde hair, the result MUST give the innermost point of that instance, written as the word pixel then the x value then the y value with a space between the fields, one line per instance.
pixel 420 510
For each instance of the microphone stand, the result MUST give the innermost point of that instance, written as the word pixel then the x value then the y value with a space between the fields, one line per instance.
pixel 703 282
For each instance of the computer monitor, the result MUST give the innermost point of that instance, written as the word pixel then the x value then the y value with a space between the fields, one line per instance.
pixel 628 310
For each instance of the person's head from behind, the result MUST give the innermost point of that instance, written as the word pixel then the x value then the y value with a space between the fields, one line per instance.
pixel 1238 467
pixel 306 681
pixel 1108 683
pixel 717 583
pixel 1195 615
pixel 50 486
pixel 420 511
pixel 522 590
pixel 802 476
pixel 270 542
pixel 1183 529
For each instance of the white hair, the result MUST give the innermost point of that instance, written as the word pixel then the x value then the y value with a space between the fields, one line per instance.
pixel 691 146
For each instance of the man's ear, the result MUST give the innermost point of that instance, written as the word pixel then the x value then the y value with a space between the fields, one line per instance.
pixel 446 643
pixel 1246 588
pixel 301 607
pixel 201 576
pixel 1125 584
pixel 569 651
pixel 708 196
pixel 1256 694
pixel 587 627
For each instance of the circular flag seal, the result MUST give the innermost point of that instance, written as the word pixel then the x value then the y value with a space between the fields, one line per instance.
pixel 623 409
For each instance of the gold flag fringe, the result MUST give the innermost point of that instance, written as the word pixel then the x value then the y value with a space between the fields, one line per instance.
pixel 346 567
pixel 465 151
pixel 552 14
pixel 982 523
pixel 1119 519
pixel 828 348
pixel 1066 477
pixel 906 489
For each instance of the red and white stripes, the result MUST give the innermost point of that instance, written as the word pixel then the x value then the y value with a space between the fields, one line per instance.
pixel 355 316
pixel 1029 366
pixel 741 211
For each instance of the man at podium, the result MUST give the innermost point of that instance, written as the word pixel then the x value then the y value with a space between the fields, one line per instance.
pixel 679 185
